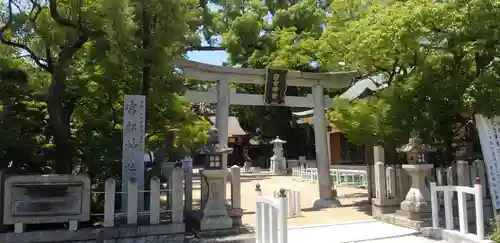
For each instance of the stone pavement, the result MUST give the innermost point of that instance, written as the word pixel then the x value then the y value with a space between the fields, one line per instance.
pixel 354 200
pixel 369 231
pixel 350 223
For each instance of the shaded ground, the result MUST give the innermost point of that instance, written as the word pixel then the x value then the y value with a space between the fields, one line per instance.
pixel 354 200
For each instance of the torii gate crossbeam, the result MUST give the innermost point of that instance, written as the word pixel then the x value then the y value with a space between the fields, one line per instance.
pixel 224 96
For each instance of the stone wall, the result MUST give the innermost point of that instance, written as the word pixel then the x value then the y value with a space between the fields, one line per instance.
pixel 171 233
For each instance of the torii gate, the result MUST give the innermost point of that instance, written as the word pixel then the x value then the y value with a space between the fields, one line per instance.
pixel 224 96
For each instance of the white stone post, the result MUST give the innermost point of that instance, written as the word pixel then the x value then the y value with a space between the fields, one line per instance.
pixel 282 217
pixel 326 190
pixel 154 202
pixel 478 201
pixel 187 165
pixel 380 186
pixel 132 202
pixel 258 191
pixel 109 202
pixel 177 195
pixel 235 186
pixel 222 114
pixel 434 205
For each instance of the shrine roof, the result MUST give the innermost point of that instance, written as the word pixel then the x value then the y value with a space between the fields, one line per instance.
pixel 208 72
pixel 234 127
pixel 358 90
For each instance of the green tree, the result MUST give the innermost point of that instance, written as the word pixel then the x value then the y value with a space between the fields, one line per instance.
pixel 275 34
pixel 91 53
pixel 22 118
pixel 438 59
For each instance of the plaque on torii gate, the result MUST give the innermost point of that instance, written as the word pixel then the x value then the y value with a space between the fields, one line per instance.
pixel 224 96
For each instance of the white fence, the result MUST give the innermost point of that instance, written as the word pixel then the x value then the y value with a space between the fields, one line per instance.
pixel 174 199
pixel 293 202
pixel 448 191
pixel 271 215
pixel 341 177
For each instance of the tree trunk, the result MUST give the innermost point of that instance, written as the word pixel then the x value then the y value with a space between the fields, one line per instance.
pixel 146 48
pixel 59 121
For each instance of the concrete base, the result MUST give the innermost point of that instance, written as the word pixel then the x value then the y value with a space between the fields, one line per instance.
pixel 330 203
pixel 379 210
pixel 414 216
pixel 216 233
pixel 235 214
pixel 452 236
pixel 193 221
pixel 406 222
pixel 174 233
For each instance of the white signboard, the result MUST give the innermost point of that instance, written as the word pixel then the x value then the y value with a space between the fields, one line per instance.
pixel 134 115
pixel 489 136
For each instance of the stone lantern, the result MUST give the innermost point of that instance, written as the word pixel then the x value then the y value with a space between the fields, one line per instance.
pixel 278 161
pixel 213 185
pixel 416 205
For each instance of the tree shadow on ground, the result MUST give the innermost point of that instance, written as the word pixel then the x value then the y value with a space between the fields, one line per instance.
pixel 244 178
pixel 361 206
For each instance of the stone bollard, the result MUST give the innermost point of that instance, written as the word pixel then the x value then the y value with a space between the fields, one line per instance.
pixel 258 191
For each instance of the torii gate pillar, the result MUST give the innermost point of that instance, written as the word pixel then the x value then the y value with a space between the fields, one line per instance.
pixel 222 115
pixel 327 193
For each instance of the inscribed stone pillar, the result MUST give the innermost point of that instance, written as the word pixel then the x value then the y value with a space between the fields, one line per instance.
pixel 215 215
pixel 391 181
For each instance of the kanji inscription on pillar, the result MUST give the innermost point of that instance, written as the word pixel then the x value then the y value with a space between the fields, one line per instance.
pixel 134 113
pixel 489 136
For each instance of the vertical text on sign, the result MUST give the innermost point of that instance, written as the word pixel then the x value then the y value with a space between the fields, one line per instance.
pixel 134 114
pixel 275 90
pixel 489 136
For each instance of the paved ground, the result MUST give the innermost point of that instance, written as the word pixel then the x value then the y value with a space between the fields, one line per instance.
pixel 354 200
pixel 350 223
pixel 369 231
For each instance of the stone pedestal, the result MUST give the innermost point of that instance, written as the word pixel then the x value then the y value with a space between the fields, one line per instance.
pixel 278 165
pixel 215 215
pixel 416 205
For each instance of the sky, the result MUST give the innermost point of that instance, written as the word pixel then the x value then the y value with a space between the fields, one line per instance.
pixel 208 57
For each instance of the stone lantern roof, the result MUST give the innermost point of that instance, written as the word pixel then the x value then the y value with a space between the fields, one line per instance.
pixel 277 140
pixel 415 143
pixel 213 146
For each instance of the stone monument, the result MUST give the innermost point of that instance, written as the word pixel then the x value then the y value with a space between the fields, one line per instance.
pixel 213 185
pixel 44 199
pixel 278 160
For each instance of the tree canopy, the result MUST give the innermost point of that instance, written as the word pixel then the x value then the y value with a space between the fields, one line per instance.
pixel 439 59
pixel 78 59
pixel 66 65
